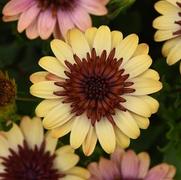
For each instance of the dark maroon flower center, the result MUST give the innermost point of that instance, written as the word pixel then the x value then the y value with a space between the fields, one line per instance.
pixel 178 32
pixel 54 5
pixel 94 85
pixel 29 164
pixel 7 91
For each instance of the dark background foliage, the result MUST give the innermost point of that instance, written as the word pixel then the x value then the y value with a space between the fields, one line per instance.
pixel 19 56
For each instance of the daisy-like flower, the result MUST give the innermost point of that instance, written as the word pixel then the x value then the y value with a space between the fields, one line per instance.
pixel 169 29
pixel 97 86
pixel 27 154
pixel 129 166
pixel 44 17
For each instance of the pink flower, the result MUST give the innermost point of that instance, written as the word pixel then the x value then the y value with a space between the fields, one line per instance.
pixel 129 166
pixel 44 17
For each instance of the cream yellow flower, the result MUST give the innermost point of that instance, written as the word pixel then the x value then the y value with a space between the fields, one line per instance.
pixel 96 87
pixel 27 154
pixel 169 29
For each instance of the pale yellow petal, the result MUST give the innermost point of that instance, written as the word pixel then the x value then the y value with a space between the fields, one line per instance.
pixel 150 73
pixel 137 65
pixel 33 131
pixel 4 147
pixel 90 35
pixel 142 48
pixel 166 22
pixel 38 76
pixel 63 129
pixel 152 103
pixel 65 149
pixel 103 35
pixel 50 142
pixel 137 105
pixel 79 43
pixel 164 7
pixel 144 163
pixel 162 35
pixel 144 86
pixel 175 54
pixel 65 161
pixel 79 130
pixel 62 51
pixel 57 116
pixel 126 124
pixel 174 2
pixel 45 89
pixel 142 122
pixel 127 47
pixel 106 135
pixel 116 37
pixel 90 141
pixel 15 137
pixel 122 140
pixel 45 106
pixel 52 65
pixel 71 177
pixel 79 171
pixel 169 45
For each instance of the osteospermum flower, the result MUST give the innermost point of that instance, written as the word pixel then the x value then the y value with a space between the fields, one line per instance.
pixel 44 17
pixel 27 154
pixel 169 29
pixel 97 86
pixel 129 166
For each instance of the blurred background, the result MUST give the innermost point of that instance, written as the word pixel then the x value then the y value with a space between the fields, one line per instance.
pixel 19 57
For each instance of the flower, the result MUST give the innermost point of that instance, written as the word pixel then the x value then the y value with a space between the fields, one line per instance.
pixel 44 17
pixel 97 86
pixel 7 96
pixel 7 89
pixel 126 165
pixel 169 29
pixel 26 154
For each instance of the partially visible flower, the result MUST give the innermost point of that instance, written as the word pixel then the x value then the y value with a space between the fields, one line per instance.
pixel 27 154
pixel 44 17
pixel 126 165
pixel 97 87
pixel 7 95
pixel 169 29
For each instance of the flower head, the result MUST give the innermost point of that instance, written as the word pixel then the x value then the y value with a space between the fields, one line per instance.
pixel 7 96
pixel 7 89
pixel 27 154
pixel 126 165
pixel 169 29
pixel 44 17
pixel 97 86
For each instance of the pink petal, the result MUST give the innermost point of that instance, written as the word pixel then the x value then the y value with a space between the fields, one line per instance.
pixel 144 163
pixel 94 171
pixel 10 18
pixel 129 165
pixel 46 24
pixel 108 169
pixel 158 172
pixel 32 30
pixel 64 21
pixel 15 7
pixel 28 17
pixel 94 7
pixel 117 156
pixel 81 19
